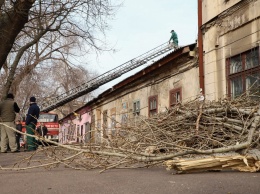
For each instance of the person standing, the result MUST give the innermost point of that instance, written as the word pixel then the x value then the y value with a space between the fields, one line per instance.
pixel 18 135
pixel 42 131
pixel 174 39
pixel 8 108
pixel 31 122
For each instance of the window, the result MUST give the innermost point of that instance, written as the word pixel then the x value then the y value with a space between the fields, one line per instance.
pixel 48 118
pixel 124 119
pixel 113 121
pixel 136 107
pixel 175 96
pixel 113 118
pixel 244 73
pixel 113 125
pixel 153 105
pixel 77 133
pixel 105 119
pixel 124 105
pixel 71 132
pixel 93 120
pixel 87 135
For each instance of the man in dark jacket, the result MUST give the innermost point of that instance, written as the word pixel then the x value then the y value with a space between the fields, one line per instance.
pixel 31 122
pixel 8 108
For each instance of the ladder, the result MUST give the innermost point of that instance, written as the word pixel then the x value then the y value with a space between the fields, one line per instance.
pixel 93 84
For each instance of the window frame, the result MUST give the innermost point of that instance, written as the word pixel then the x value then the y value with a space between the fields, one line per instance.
pixel 174 91
pixel 244 73
pixel 105 119
pixel 152 111
pixel 136 111
pixel 124 119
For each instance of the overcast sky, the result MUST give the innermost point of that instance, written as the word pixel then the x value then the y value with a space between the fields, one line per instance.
pixel 141 25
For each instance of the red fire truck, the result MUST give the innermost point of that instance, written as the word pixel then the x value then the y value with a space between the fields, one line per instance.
pixel 51 121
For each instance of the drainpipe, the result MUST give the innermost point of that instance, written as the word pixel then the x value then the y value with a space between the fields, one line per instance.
pixel 200 43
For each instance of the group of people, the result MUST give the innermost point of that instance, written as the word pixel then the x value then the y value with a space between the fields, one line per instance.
pixel 9 137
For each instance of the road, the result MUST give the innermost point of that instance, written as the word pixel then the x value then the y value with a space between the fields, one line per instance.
pixel 155 180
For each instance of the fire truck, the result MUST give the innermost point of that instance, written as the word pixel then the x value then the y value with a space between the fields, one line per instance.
pixel 51 121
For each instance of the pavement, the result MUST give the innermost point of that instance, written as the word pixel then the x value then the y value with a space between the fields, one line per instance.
pixel 156 180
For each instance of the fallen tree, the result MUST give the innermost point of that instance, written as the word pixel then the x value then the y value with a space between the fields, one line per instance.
pixel 186 131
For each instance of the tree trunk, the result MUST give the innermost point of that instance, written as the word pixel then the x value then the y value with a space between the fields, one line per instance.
pixel 11 23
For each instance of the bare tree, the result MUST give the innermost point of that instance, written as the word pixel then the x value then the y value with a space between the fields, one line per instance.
pixel 13 17
pixel 50 82
pixel 56 31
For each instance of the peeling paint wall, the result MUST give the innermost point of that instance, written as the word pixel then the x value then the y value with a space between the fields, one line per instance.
pixel 213 8
pixel 230 27
pixel 120 104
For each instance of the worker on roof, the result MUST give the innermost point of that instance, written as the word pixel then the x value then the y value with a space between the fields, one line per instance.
pixel 174 38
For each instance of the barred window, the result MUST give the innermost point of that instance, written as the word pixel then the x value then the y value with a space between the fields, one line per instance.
pixel 244 73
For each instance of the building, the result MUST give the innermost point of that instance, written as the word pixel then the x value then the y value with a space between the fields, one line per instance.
pixel 75 127
pixel 230 37
pixel 227 65
pixel 170 80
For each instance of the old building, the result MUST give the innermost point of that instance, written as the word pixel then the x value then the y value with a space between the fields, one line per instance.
pixel 230 39
pixel 227 65
pixel 75 127
pixel 170 80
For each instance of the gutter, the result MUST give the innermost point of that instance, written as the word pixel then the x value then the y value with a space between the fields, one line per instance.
pixel 200 47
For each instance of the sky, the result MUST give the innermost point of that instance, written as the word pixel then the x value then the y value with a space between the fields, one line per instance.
pixel 141 25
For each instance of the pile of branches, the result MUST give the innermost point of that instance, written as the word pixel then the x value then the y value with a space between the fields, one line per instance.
pixel 206 128
pixel 185 131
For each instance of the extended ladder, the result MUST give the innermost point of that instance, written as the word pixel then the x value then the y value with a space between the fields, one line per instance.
pixel 93 84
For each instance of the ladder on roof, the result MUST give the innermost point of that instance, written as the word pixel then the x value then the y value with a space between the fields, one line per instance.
pixel 93 84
